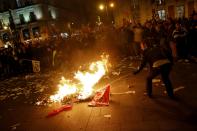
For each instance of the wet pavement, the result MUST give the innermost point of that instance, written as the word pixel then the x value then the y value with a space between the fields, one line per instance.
pixel 129 109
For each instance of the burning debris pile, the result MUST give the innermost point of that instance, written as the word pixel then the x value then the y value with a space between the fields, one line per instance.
pixel 81 87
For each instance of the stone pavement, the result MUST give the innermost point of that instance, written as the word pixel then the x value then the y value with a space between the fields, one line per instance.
pixel 126 112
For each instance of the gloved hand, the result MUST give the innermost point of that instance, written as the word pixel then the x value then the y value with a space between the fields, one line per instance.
pixel 135 72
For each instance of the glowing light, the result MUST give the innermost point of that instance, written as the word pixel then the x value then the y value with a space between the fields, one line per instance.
pixel 111 4
pixel 65 88
pixel 38 14
pixel 85 81
pixel 101 7
pixel 64 35
pixel 5 27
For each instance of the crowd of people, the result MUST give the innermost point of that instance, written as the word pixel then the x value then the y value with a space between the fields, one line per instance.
pixel 17 58
pixel 178 36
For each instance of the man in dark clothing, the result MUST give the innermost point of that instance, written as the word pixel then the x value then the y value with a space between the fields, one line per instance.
pixel 179 35
pixel 160 62
pixel 149 34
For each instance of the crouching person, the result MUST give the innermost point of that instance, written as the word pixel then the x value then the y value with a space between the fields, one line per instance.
pixel 160 62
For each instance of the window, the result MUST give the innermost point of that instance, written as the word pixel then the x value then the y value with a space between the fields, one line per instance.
pixel 18 3
pixel 36 32
pixel 11 23
pixel 22 18
pixel 50 14
pixel 160 2
pixel 180 11
pixel 5 37
pixel 162 14
pixel 26 34
pixel 32 17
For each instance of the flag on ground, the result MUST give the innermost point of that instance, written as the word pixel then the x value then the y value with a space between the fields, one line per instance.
pixel 57 111
pixel 101 97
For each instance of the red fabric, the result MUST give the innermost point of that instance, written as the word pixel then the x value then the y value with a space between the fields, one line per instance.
pixel 63 108
pixel 101 97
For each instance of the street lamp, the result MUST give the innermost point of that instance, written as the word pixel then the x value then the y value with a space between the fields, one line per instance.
pixel 108 6
pixel 111 5
pixel 5 27
pixel 101 7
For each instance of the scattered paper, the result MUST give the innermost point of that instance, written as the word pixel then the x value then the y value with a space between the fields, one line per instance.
pixel 132 67
pixel 107 116
pixel 13 127
pixel 122 93
pixel 176 89
pixel 131 58
pixel 3 97
pixel 116 73
pixel 123 66
pixel 130 86
pixel 106 77
pixel 156 80
pixel 124 59
pixel 131 64
pixel 145 68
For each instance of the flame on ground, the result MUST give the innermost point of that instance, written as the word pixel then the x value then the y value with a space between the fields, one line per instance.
pixel 86 81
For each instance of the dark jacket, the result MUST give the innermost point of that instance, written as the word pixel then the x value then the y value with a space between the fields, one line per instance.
pixel 154 55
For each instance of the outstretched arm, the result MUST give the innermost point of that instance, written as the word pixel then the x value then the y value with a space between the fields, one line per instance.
pixel 143 63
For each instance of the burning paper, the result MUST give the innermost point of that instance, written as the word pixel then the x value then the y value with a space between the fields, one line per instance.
pixel 85 81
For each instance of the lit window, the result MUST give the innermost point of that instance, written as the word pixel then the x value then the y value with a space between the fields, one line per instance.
pixel 5 37
pixel 22 18
pixel 36 32
pixel 160 2
pixel 32 17
pixel 162 14
pixel 26 34
pixel 180 11
pixel 18 3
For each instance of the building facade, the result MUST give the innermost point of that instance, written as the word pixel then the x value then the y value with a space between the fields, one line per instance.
pixel 33 20
pixel 143 10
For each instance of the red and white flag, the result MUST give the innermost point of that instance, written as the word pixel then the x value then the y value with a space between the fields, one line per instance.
pixel 57 111
pixel 101 97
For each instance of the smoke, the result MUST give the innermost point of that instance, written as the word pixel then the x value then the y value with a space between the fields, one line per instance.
pixel 93 49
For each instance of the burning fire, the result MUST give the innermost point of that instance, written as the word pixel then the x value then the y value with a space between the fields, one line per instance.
pixel 86 81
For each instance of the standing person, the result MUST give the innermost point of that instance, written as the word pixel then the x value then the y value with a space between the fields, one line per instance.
pixel 179 36
pixel 193 34
pixel 169 27
pixel 127 37
pixel 148 34
pixel 160 62
pixel 137 39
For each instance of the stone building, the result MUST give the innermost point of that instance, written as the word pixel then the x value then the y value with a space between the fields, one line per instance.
pixel 33 20
pixel 142 10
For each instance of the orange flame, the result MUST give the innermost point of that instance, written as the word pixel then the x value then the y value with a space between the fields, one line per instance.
pixel 86 81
